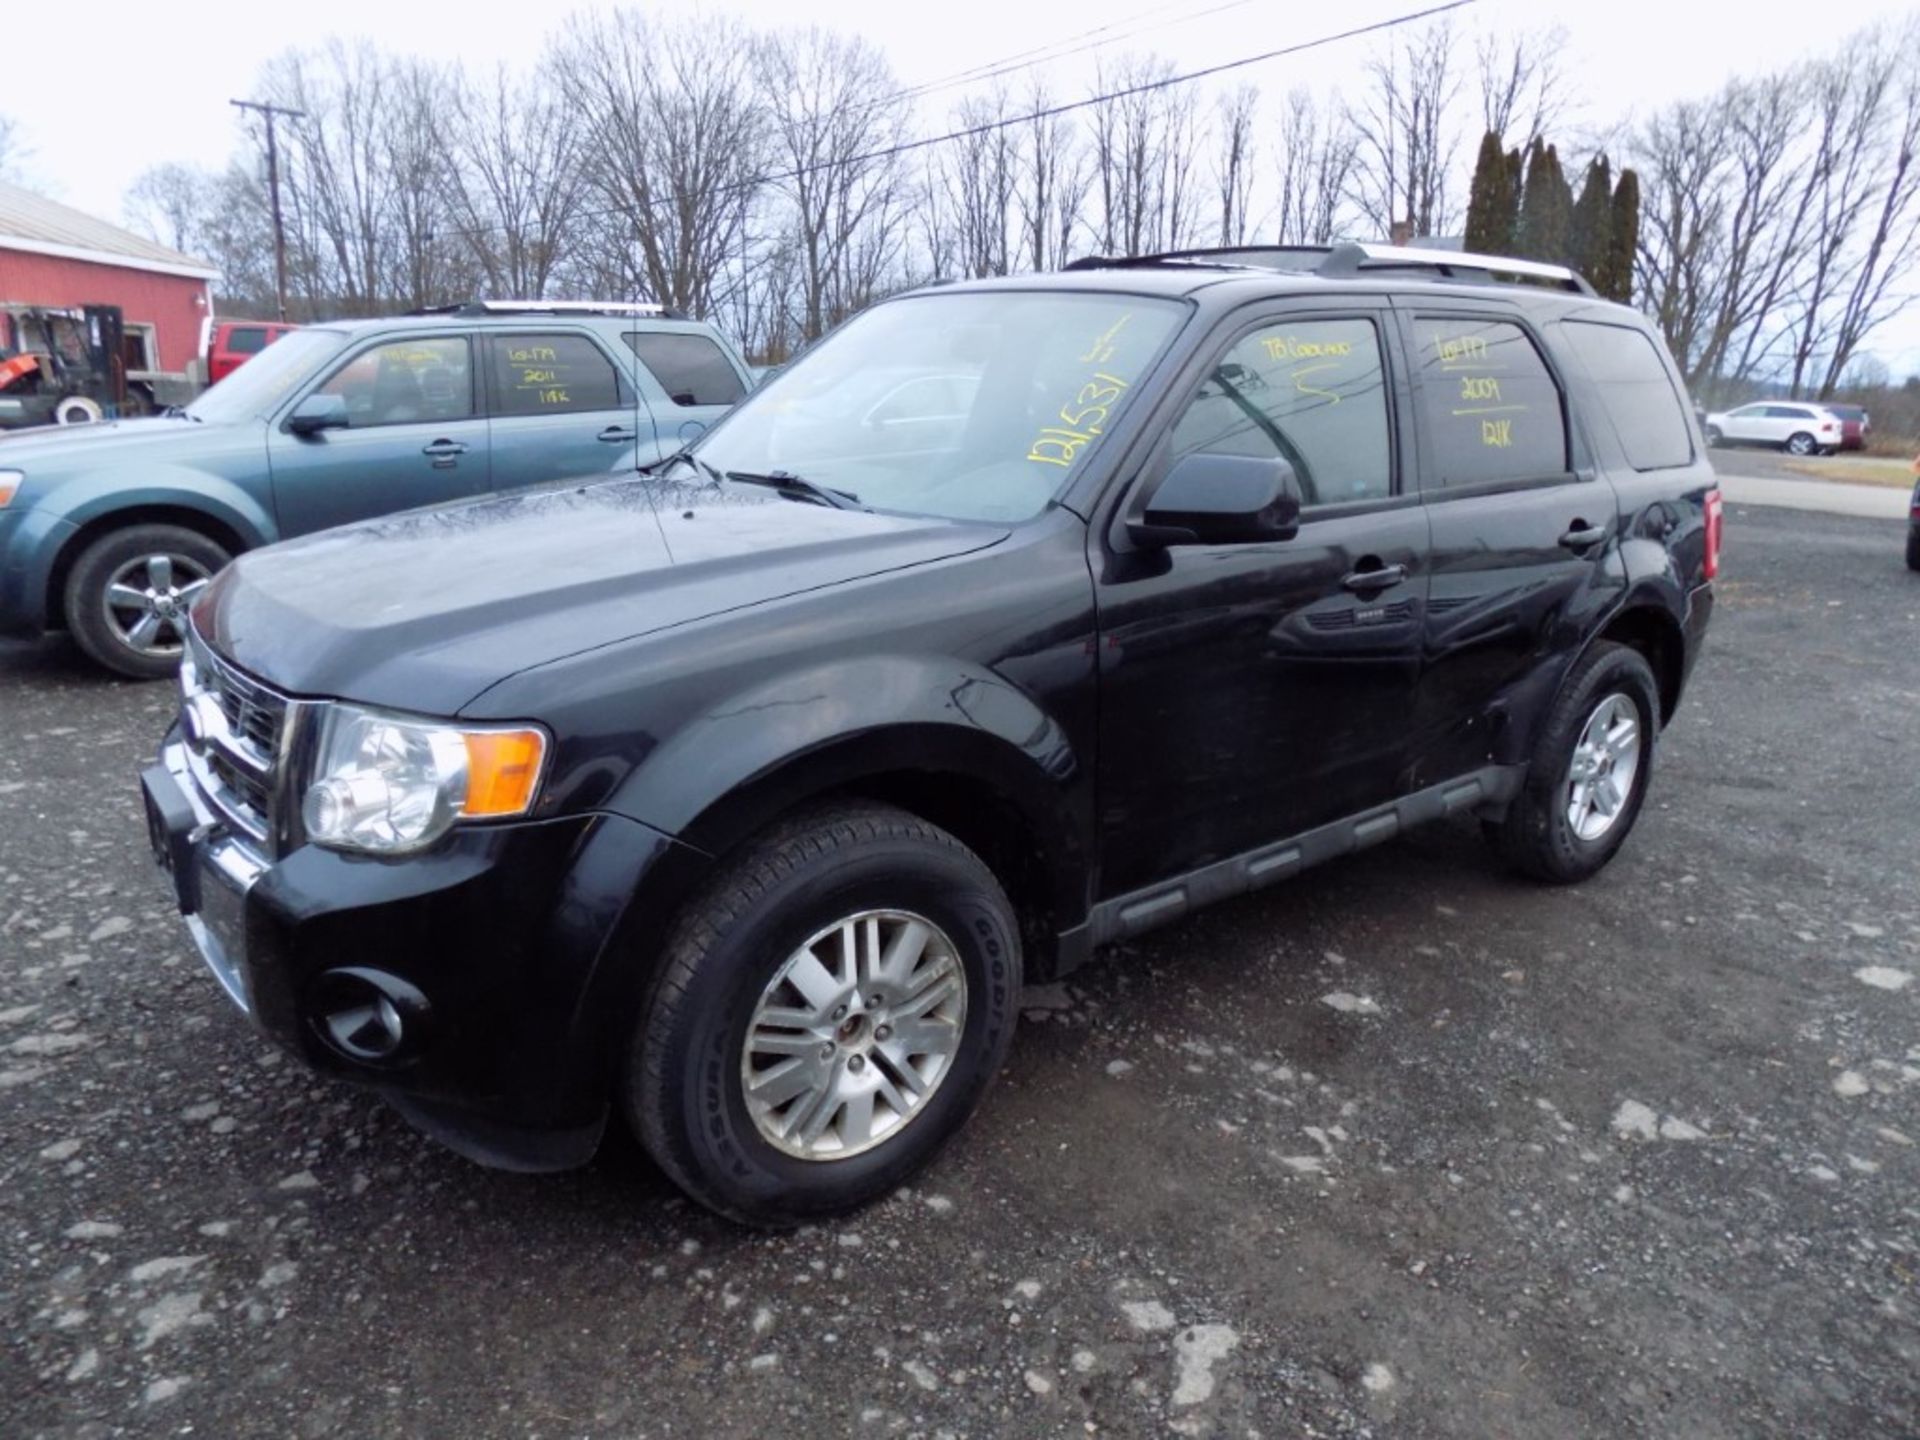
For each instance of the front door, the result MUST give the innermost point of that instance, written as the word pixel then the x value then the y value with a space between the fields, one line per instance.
pixel 1522 530
pixel 1250 692
pixel 561 410
pixel 415 436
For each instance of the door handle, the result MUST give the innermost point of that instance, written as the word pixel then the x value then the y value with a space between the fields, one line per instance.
pixel 619 435
pixel 444 453
pixel 1379 577
pixel 1583 535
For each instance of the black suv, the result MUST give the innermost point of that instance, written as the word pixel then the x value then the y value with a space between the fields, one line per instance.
pixel 739 797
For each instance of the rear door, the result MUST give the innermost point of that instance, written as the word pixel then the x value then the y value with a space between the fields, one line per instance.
pixel 689 379
pixel 416 435
pixel 561 409
pixel 1522 527
pixel 1250 692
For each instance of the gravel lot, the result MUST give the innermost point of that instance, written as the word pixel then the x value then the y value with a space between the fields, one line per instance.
pixel 1406 1147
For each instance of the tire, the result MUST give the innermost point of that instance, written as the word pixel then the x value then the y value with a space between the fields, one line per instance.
pixel 1714 438
pixel 128 561
pixel 1801 443
pixel 687 1071
pixel 1539 836
pixel 1913 547
pixel 77 410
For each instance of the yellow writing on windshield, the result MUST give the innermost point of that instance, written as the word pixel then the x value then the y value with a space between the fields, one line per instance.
pixel 1102 349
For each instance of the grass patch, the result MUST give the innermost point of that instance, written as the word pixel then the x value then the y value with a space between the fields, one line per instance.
pixel 1892 472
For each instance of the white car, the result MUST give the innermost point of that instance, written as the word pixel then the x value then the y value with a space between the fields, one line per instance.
pixel 1798 429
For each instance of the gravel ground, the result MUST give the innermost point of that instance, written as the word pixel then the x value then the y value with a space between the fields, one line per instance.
pixel 1406 1147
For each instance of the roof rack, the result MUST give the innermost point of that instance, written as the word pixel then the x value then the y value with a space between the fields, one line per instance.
pixel 471 308
pixel 1351 259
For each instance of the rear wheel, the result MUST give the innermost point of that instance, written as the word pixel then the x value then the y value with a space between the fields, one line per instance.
pixel 829 1011
pixel 1589 770
pixel 129 593
pixel 1714 438
pixel 1801 444
pixel 1913 548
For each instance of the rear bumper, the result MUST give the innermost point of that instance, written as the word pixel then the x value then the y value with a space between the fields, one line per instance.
pixel 485 986
pixel 1693 632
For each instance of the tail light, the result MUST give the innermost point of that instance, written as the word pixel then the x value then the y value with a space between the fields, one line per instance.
pixel 1713 534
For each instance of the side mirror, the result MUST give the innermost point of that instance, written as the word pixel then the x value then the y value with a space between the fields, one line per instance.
pixel 317 413
pixel 1221 500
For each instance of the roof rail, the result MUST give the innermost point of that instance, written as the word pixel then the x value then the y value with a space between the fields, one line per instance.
pixel 471 308
pixel 1350 259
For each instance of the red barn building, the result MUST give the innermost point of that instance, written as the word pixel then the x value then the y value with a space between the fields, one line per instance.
pixel 54 255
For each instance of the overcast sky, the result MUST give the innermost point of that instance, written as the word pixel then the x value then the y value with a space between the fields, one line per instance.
pixel 106 92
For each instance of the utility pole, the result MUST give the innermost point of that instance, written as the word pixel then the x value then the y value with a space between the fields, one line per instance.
pixel 273 186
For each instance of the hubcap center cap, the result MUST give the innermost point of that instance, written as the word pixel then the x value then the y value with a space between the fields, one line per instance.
pixel 854 1030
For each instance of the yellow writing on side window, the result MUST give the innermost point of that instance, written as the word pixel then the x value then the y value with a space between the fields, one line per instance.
pixel 532 354
pixel 1290 347
pixel 1479 387
pixel 1497 434
pixel 1461 347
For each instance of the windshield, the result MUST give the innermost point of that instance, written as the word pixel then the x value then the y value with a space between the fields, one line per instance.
pixel 974 405
pixel 254 390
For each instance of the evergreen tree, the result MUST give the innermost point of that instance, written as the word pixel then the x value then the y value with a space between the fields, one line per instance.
pixel 1491 202
pixel 1623 238
pixel 1592 240
pixel 1546 208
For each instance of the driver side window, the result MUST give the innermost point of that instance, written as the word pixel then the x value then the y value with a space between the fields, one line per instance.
pixel 1311 392
pixel 406 381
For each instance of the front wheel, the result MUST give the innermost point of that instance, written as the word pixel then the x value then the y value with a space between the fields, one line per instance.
pixel 77 410
pixel 1589 770
pixel 1714 438
pixel 129 593
pixel 829 1011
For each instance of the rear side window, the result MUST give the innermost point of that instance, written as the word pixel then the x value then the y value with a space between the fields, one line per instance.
pixel 690 368
pixel 1491 408
pixel 246 341
pixel 1636 391
pixel 1311 392
pixel 551 375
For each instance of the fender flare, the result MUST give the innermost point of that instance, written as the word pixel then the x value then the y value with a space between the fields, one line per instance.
pixel 727 772
pixel 172 487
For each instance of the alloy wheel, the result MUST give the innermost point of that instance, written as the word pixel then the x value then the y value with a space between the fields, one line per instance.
pixel 854 1034
pixel 147 601
pixel 1606 762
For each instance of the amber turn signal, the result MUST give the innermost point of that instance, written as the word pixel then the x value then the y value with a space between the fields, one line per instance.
pixel 503 771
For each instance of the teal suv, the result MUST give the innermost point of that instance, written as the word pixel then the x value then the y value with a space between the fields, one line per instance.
pixel 112 530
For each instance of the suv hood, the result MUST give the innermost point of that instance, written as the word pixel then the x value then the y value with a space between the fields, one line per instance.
pixel 423 610
pixel 55 450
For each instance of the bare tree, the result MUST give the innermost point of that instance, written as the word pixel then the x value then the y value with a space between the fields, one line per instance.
pixel 1142 154
pixel 167 203
pixel 1318 151
pixel 13 148
pixel 978 173
pixel 1681 220
pixel 1234 115
pixel 514 179
pixel 1407 133
pixel 1524 92
pixel 676 137
pixel 1053 183
pixel 833 110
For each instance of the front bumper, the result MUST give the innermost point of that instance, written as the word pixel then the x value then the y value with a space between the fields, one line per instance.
pixel 29 542
pixel 485 986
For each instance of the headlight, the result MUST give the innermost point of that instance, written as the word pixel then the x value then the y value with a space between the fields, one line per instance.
pixel 10 482
pixel 387 784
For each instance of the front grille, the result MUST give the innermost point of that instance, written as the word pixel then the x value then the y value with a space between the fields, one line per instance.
pixel 236 754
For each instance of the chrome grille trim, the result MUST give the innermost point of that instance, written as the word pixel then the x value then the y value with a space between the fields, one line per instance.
pixel 239 732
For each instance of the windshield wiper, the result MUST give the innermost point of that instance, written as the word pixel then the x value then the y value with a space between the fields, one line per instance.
pixel 787 483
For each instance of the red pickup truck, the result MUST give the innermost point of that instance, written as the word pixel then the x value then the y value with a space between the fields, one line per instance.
pixel 231 343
